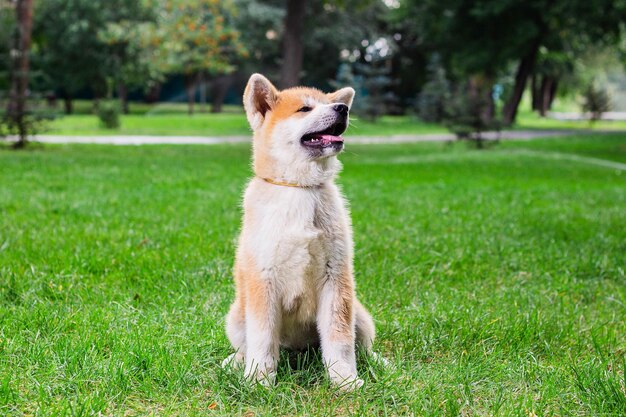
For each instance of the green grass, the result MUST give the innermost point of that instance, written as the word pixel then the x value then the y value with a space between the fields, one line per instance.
pixel 496 279
pixel 528 120
pixel 171 120
pixel 223 124
pixel 226 124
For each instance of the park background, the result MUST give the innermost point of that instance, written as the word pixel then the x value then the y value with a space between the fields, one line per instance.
pixel 484 165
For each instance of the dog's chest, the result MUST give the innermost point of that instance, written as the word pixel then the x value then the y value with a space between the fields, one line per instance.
pixel 293 236
pixel 319 243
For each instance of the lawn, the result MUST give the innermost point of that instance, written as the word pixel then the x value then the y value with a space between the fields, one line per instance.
pixel 496 279
pixel 528 120
pixel 223 124
pixel 170 119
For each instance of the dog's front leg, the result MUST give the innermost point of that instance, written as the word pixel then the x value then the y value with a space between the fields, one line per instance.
pixel 335 321
pixel 262 331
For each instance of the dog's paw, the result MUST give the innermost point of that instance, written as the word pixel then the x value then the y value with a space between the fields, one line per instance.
pixel 233 360
pixel 379 359
pixel 264 378
pixel 343 376
pixel 263 375
pixel 349 384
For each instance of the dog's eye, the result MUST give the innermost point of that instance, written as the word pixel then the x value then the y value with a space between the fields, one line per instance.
pixel 304 109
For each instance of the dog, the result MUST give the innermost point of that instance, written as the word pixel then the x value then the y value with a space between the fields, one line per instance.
pixel 293 269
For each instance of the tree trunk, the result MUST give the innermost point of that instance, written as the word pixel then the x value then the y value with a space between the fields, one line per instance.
pixel 546 93
pixel 553 89
pixel 190 87
pixel 219 88
pixel 480 89
pixel 509 113
pixel 293 48
pixel 19 82
pixel 51 99
pixel 202 84
pixel 534 89
pixel 122 94
pixel 67 103
pixel 152 96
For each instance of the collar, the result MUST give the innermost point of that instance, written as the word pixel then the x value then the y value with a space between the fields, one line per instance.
pixel 287 184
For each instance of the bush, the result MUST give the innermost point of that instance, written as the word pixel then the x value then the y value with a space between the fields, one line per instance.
pixel 109 114
pixel 596 101
pixel 27 124
pixel 372 83
pixel 432 100
pixel 347 78
pixel 468 115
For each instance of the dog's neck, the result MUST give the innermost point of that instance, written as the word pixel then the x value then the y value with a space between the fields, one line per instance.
pixel 312 173
pixel 287 184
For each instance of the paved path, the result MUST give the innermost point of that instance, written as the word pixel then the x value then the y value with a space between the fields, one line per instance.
pixel 609 115
pixel 207 140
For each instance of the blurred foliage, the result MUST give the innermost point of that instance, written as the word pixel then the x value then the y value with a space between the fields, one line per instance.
pixel 596 101
pixel 7 23
pixel 436 92
pixel 259 24
pixel 109 114
pixel 88 47
pixel 66 43
pixel 22 111
pixel 487 37
pixel 197 35
pixel 347 78
pixel 136 58
pixel 466 116
pixel 34 121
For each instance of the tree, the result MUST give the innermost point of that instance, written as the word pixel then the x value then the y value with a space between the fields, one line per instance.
pixel 485 37
pixel 258 23
pixel 293 49
pixel 7 22
pixel 596 101
pixel 71 54
pixel 196 37
pixel 549 69
pixel 91 44
pixel 432 101
pixel 17 112
pixel 133 58
pixel 467 113
pixel 330 27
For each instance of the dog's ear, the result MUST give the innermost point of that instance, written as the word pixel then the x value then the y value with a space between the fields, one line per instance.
pixel 344 95
pixel 259 98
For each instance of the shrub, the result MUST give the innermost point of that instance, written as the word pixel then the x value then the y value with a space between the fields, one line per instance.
pixel 372 83
pixel 347 78
pixel 23 125
pixel 468 115
pixel 109 114
pixel 596 100
pixel 431 101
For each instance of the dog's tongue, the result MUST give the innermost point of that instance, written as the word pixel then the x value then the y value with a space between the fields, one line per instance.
pixel 331 138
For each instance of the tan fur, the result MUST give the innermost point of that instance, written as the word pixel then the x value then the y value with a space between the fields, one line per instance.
pixel 342 331
pixel 293 269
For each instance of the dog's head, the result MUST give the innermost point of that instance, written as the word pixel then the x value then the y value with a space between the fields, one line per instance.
pixel 297 132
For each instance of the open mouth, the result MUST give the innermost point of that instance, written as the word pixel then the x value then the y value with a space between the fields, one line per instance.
pixel 330 136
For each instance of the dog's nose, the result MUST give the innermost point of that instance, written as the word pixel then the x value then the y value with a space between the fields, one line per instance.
pixel 342 109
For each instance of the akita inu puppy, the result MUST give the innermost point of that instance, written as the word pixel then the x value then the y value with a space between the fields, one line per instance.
pixel 293 270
